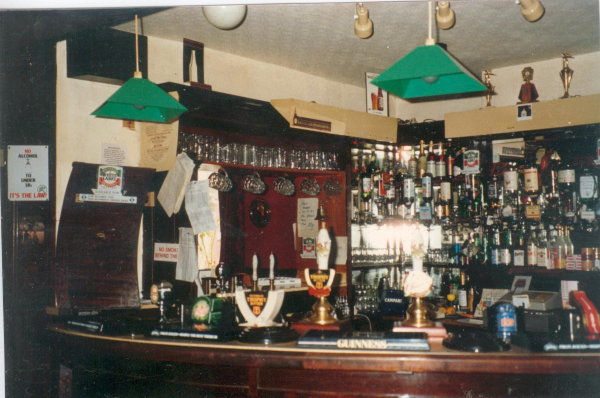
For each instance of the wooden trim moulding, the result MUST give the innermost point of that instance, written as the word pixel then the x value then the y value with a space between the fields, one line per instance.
pixel 344 122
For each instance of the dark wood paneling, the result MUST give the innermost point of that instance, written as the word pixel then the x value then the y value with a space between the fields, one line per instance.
pixel 97 244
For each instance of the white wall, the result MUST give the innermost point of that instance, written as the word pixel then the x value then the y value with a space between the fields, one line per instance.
pixel 80 135
pixel 586 81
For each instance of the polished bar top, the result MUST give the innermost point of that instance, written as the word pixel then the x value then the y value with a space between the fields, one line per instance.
pixel 517 360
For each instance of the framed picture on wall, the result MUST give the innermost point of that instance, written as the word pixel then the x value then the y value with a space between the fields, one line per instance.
pixel 377 99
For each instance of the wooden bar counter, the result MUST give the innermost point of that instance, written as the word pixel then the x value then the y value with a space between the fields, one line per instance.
pixel 104 366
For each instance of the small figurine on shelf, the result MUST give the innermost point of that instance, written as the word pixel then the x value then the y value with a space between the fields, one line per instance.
pixel 566 74
pixel 528 92
pixel 488 83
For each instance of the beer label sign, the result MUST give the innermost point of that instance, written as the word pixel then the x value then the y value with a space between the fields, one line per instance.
pixel 471 162
pixel 257 301
pixel 110 179
pixel 319 279
pixel 109 185
pixel 28 173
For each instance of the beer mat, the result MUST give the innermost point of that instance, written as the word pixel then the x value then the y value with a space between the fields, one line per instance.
pixel 332 339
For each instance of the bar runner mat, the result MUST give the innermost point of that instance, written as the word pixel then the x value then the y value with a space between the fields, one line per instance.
pixel 334 339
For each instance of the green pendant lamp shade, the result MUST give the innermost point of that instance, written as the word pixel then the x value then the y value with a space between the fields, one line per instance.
pixel 140 99
pixel 428 71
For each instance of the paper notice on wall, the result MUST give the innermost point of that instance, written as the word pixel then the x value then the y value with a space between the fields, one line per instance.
pixel 172 192
pixel 209 243
pixel 307 211
pixel 187 259
pixel 114 154
pixel 197 207
pixel 341 254
pixel 159 145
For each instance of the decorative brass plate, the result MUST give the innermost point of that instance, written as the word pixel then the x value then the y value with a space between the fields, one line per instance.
pixel 260 213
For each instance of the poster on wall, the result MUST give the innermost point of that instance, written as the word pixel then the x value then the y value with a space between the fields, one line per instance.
pixel 28 172
pixel 377 99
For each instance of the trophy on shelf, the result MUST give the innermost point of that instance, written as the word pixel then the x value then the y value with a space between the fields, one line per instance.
pixel 528 92
pixel 566 74
pixel 490 87
pixel 320 281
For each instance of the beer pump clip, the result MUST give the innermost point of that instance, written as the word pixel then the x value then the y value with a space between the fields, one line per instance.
pixel 258 307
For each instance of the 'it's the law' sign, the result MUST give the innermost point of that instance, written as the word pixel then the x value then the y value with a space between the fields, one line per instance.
pixel 28 172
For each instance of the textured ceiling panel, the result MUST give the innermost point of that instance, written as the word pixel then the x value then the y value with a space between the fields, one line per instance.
pixel 319 38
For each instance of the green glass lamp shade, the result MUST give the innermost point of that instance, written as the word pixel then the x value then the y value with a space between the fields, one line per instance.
pixel 428 71
pixel 140 99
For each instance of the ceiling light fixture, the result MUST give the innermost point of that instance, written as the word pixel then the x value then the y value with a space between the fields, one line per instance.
pixel 363 26
pixel 532 10
pixel 225 17
pixel 428 71
pixel 444 15
pixel 140 99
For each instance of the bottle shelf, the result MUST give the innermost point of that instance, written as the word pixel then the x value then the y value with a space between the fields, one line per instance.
pixel 370 265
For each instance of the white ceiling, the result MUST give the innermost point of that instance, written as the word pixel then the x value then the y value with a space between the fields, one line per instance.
pixel 319 38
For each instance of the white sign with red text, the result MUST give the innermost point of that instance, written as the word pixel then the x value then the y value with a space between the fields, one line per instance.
pixel 166 252
pixel 28 172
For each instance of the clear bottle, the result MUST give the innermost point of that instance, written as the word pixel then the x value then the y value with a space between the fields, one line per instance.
pixel 431 161
pixel 519 251
pixel 463 290
pixel 588 197
pixel 569 248
pixel 532 247
pixel 560 251
pixel 422 161
pixel 543 250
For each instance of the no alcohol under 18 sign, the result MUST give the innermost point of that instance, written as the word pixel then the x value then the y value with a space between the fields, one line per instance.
pixel 27 172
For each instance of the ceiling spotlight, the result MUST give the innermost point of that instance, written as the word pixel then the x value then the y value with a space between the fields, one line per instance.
pixel 532 10
pixel 444 15
pixel 363 26
pixel 225 17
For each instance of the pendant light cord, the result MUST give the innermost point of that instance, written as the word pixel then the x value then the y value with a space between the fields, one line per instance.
pixel 430 41
pixel 137 51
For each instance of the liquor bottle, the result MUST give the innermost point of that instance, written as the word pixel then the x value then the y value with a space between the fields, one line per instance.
pixel 552 234
pixel 439 209
pixel 446 191
pixel 506 247
pixel 560 251
pixel 373 166
pixel 566 185
pixel 366 189
pixel 569 248
pixel 390 195
pixel 511 187
pixel 408 194
pixel 519 248
pixel 422 162
pixel 431 161
pixel 532 247
pixel 494 195
pixel 495 247
pixel 450 156
pixel 413 169
pixel 588 197
pixel 463 289
pixel 427 195
pixel 440 163
pixel 543 254
pixel 386 161
pixel 552 197
pixel 531 180
pixel 463 203
pixel 458 161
